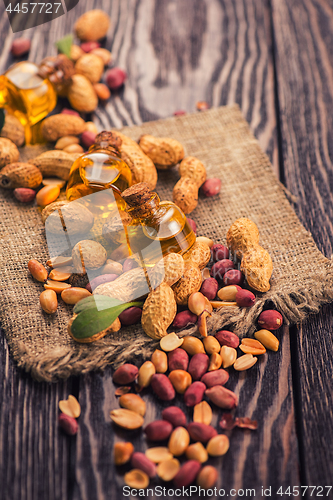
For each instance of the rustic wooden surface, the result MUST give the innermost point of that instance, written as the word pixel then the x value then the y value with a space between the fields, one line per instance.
pixel 273 58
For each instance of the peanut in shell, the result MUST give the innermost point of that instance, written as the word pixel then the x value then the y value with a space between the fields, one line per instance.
pixel 158 311
pixel 20 175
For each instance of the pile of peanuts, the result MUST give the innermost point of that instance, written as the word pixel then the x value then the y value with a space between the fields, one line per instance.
pixel 194 371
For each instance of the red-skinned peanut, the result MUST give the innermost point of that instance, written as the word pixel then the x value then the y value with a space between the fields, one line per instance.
pixel 158 430
pixel 130 316
pixel 216 377
pixel 125 374
pixel 211 187
pixel 162 387
pixel 201 432
pixel 270 319
pixel 209 288
pixel 183 319
pixel 219 252
pixel 175 416
pixel 178 360
pixel 220 268
pixel 227 338
pixel 245 298
pixel 233 277
pixel 187 474
pixel 198 365
pixel 194 394
pixel 100 280
pixel 192 224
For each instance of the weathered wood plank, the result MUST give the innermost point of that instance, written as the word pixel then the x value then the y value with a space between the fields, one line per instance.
pixel 303 39
pixel 176 56
pixel 34 452
pixel 266 457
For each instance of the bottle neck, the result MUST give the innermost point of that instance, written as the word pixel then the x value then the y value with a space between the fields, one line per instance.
pixel 145 210
pixel 109 150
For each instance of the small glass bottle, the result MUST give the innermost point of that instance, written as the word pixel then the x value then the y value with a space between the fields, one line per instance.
pixel 157 227
pixel 99 169
pixel 28 91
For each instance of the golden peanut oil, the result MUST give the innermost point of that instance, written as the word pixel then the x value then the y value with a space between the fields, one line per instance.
pixel 27 96
pixel 157 228
pixel 97 170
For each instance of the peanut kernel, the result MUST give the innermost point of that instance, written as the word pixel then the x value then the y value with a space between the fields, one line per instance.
pixel 245 362
pixel 268 339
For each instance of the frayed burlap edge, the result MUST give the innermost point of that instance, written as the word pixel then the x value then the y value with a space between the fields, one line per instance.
pixel 294 307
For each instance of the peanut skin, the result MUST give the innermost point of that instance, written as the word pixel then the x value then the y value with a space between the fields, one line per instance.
pixel 178 360
pixel 198 366
pixel 175 416
pixel 158 430
pixel 162 387
pixel 194 394
pixel 125 374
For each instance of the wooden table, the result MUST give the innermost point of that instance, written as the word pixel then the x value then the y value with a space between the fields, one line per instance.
pixel 275 59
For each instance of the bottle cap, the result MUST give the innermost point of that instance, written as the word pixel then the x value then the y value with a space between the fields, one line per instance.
pixel 137 195
pixel 59 69
pixel 107 139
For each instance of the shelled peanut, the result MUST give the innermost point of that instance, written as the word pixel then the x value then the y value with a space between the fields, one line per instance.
pixel 193 442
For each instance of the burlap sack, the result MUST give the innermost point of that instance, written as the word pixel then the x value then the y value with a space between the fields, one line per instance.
pixel 302 278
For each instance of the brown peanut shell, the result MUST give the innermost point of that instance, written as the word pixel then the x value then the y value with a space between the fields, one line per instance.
pixel 57 126
pixel 8 152
pixel 92 25
pixel 185 194
pixel 91 66
pixel 128 287
pixel 81 94
pixel 14 131
pixel 242 235
pixel 194 169
pixel 142 168
pixel 189 283
pixel 164 152
pixel 158 311
pixel 55 163
pixel 257 267
pixel 20 175
pixel 199 254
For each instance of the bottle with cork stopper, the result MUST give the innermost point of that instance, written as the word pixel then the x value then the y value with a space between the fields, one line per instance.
pixel 152 228
pixel 99 169
pixel 29 91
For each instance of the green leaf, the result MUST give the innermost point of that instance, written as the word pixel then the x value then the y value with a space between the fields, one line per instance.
pixel 93 320
pixel 96 301
pixel 64 45
pixel 2 118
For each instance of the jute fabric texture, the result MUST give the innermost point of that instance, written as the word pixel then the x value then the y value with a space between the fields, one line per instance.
pixel 302 278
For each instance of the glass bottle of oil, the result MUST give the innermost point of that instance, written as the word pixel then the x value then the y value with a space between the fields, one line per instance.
pixel 28 91
pixel 99 169
pixel 157 227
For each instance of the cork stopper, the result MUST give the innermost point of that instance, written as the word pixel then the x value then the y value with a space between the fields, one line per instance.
pixel 59 69
pixel 137 194
pixel 107 140
pixel 140 200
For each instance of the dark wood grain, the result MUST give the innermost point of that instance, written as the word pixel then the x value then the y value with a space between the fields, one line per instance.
pixel 34 452
pixel 304 65
pixel 266 457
